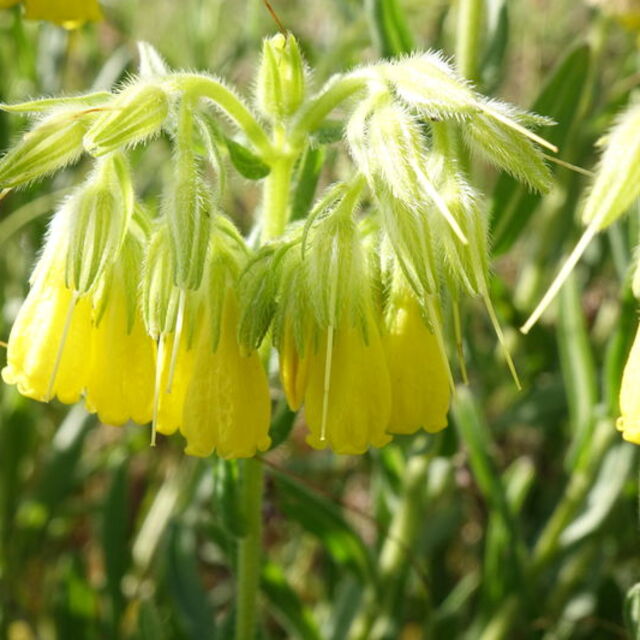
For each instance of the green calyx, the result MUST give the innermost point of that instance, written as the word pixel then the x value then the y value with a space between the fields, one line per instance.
pixel 99 216
pixel 134 115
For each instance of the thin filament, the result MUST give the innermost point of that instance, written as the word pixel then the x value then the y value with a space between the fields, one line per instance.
pixel 63 341
pixel 568 165
pixel 442 206
pixel 520 129
pixel 156 390
pixel 563 274
pixel 327 384
pixel 498 329
pixel 457 330
pixel 177 336
pixel 432 312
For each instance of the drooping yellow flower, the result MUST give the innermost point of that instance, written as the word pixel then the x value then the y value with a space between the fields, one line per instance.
pixel 50 342
pixel 629 421
pixel 420 388
pixel 294 370
pixel 348 405
pixel 227 405
pixel 68 13
pixel 121 379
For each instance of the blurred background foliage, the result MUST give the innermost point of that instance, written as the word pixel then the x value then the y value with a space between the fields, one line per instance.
pixel 519 521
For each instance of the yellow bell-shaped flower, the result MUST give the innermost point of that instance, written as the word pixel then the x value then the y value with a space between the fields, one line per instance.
pixel 629 421
pixel 228 405
pixel 420 388
pixel 348 404
pixel 68 13
pixel 49 346
pixel 294 370
pixel 121 380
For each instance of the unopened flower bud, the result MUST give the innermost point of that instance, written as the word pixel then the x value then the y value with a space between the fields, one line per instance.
pixel 160 296
pixel 98 218
pixel 188 206
pixel 55 142
pixel 136 114
pixel 281 79
pixel 617 182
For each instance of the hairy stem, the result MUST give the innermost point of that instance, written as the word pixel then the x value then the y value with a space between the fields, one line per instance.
pixel 230 103
pixel 276 205
pixel 249 549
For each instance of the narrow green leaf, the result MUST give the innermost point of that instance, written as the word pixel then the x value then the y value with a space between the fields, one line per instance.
pixel 578 369
pixel 322 518
pixel 226 500
pixel 185 586
pixel 391 32
pixel 475 435
pixel 60 470
pixel 497 41
pixel 604 494
pixel 285 604
pixel 117 556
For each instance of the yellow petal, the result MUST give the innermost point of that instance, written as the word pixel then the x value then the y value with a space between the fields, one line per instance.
pixel 294 370
pixel 359 397
pixel 171 405
pixel 228 406
pixel 37 338
pixel 120 385
pixel 629 422
pixel 68 13
pixel 5 4
pixel 420 389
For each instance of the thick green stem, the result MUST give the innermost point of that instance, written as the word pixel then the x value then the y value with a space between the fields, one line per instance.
pixel 277 187
pixel 337 91
pixel 469 37
pixel 249 549
pixel 276 205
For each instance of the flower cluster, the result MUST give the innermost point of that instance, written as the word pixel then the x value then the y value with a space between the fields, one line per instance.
pixel 167 316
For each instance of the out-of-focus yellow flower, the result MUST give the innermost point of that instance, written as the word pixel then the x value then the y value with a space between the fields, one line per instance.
pixel 49 349
pixel 5 4
pixel 294 370
pixel 629 422
pixel 627 12
pixel 227 406
pixel 68 13
pixel 420 389
pixel 121 379
pixel 349 409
